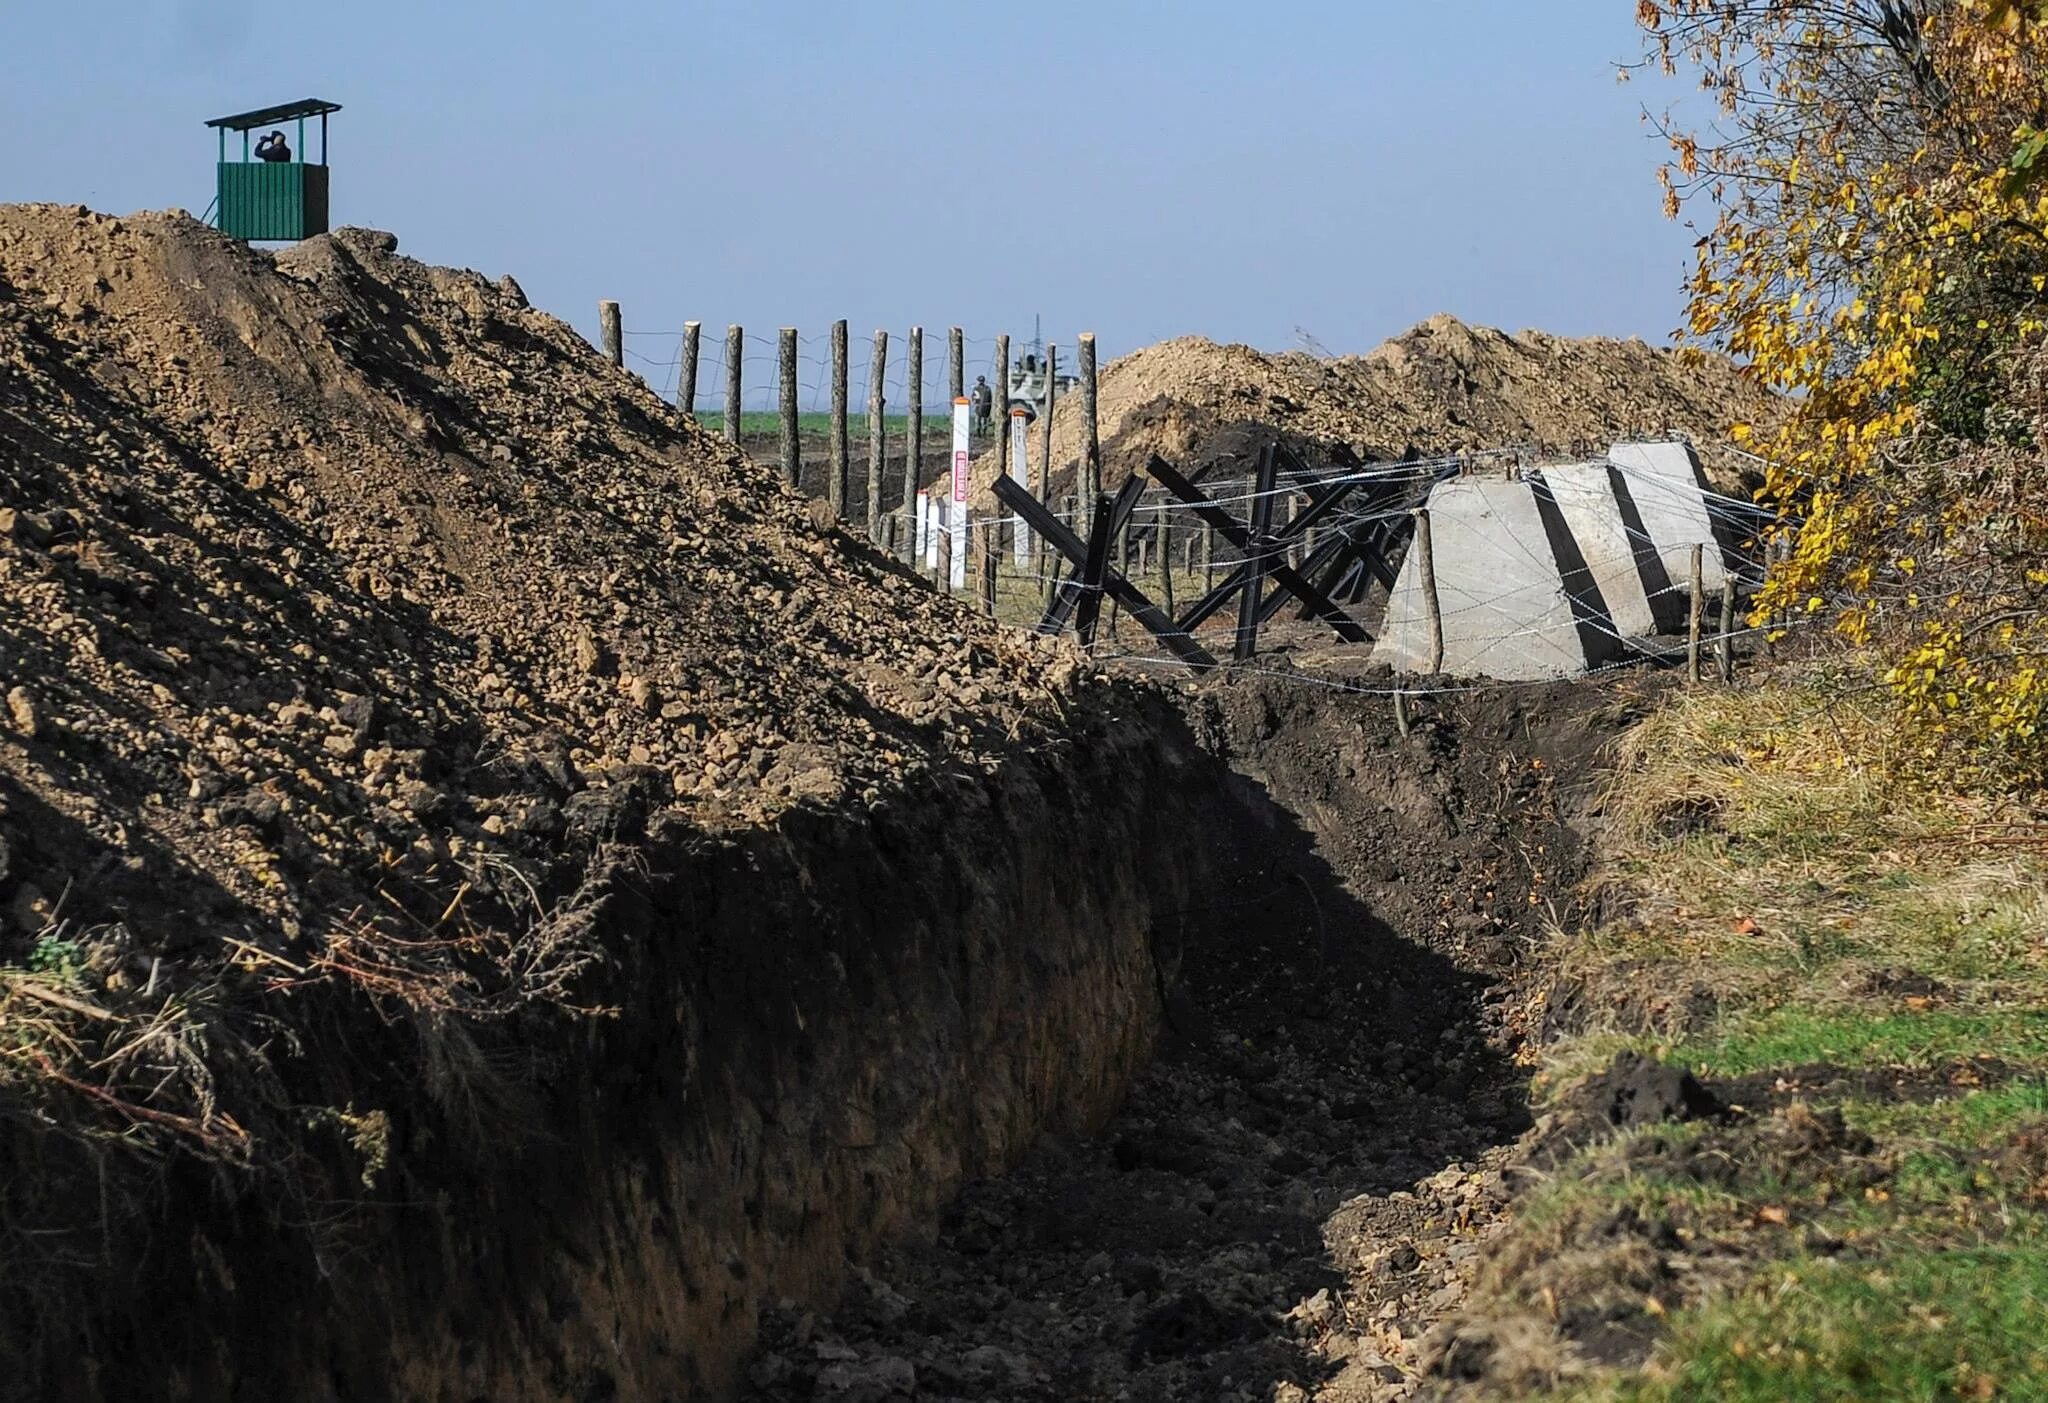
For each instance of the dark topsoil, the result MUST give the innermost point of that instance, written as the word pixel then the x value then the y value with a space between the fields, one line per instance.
pixel 1293 1192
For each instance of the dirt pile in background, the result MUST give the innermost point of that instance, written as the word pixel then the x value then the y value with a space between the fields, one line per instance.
pixel 1443 387
pixel 352 613
pixel 347 554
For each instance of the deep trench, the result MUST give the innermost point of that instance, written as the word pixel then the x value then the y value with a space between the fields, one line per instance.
pixel 1104 1073
pixel 1336 994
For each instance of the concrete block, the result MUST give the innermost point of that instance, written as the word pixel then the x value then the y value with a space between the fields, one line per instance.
pixel 1506 611
pixel 1661 493
pixel 1586 497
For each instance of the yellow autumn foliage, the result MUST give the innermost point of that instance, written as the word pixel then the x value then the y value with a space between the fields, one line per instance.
pixel 1878 254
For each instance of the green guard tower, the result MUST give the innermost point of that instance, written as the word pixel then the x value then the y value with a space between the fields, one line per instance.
pixel 269 198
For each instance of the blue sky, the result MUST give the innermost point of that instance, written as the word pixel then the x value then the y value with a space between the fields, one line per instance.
pixel 1345 167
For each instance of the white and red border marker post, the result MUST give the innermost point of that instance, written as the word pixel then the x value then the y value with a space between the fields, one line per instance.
pixel 1020 438
pixel 957 518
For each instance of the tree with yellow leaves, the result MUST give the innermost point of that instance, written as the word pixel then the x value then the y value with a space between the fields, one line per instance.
pixel 1879 254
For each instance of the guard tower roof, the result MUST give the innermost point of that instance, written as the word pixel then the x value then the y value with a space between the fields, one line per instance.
pixel 283 112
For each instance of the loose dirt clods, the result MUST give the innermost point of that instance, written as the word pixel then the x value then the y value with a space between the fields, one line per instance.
pixel 351 611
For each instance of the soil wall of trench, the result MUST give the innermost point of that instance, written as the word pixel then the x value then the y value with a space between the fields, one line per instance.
pixel 823 1028
pixel 827 1028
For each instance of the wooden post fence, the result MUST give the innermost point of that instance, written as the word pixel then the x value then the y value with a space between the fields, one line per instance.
pixel 1165 560
pixel 1692 625
pixel 956 364
pixel 913 442
pixel 1052 394
pixel 686 383
pixel 878 434
pixel 999 419
pixel 839 474
pixel 792 444
pixel 1432 608
pixel 614 335
pixel 735 358
pixel 1727 649
pixel 1091 447
pixel 988 568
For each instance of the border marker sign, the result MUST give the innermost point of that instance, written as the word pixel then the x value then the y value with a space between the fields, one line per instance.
pixel 1020 439
pixel 962 471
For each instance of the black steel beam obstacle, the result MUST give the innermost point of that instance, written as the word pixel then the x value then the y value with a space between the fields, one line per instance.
pixel 1081 594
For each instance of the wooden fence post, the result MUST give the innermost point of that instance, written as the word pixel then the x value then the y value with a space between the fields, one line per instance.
pixel 1432 608
pixel 1692 625
pixel 735 358
pixel 956 364
pixel 614 335
pixel 836 482
pixel 1052 394
pixel 1071 515
pixel 999 419
pixel 1165 560
pixel 988 568
pixel 913 442
pixel 686 383
pixel 878 434
pixel 1125 548
pixel 1091 446
pixel 792 445
pixel 1727 650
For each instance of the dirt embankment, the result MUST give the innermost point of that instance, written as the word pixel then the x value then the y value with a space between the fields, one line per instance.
pixel 1442 387
pixel 492 892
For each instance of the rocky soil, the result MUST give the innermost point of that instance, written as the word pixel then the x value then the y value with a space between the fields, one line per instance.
pixel 1442 387
pixel 314 563
pixel 351 612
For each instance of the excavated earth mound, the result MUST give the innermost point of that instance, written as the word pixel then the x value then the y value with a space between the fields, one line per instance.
pixel 350 611
pixel 1443 387
pixel 321 568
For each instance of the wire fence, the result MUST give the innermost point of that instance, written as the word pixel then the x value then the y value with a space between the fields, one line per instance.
pixel 1176 548
pixel 761 368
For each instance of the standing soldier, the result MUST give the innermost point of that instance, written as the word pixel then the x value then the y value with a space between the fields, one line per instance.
pixel 984 401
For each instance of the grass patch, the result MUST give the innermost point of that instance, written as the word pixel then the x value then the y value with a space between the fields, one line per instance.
pixel 1976 1119
pixel 1796 1036
pixel 1763 847
pixel 1917 1326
